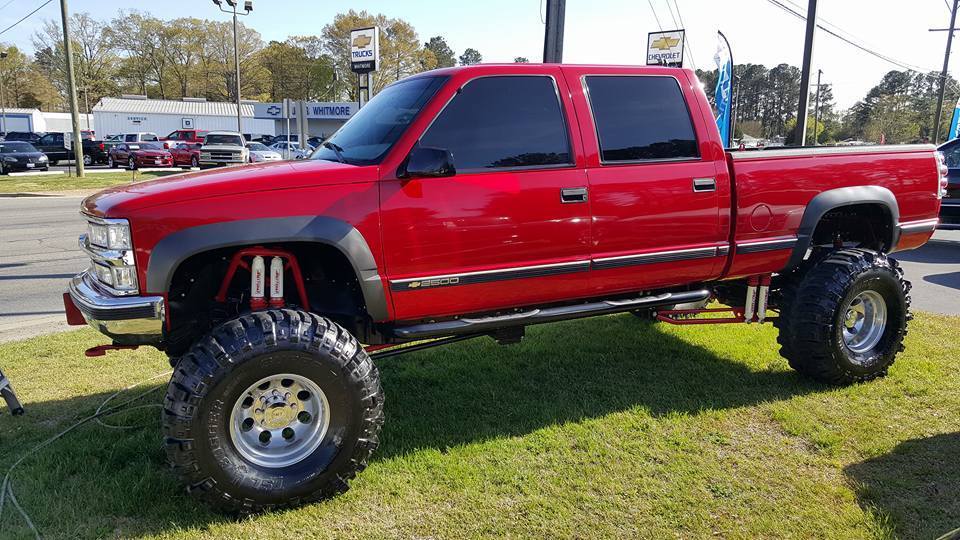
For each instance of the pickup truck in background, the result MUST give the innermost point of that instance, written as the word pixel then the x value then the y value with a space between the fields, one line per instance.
pixel 54 146
pixel 477 201
pixel 222 148
pixel 191 136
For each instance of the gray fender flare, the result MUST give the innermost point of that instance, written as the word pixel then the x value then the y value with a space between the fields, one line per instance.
pixel 172 250
pixel 836 198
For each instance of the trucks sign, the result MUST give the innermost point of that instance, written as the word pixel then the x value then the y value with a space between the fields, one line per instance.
pixel 364 49
pixel 665 48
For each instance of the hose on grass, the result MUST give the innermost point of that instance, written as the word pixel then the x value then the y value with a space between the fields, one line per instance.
pixel 6 487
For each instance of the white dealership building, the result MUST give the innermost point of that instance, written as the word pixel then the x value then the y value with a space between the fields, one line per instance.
pixel 161 116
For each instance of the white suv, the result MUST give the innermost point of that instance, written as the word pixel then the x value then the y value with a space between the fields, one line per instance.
pixel 223 148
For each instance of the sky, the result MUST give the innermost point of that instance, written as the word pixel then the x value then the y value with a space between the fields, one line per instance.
pixel 602 31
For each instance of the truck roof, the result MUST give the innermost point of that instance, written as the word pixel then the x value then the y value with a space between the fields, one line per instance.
pixel 545 68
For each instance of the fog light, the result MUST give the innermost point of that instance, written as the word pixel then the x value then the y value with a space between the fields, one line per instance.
pixel 125 278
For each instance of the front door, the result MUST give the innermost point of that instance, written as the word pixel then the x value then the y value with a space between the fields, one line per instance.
pixel 512 226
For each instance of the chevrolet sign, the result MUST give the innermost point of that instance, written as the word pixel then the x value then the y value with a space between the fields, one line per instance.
pixel 665 48
pixel 364 49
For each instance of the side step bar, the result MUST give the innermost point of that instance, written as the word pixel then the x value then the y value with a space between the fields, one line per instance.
pixel 476 325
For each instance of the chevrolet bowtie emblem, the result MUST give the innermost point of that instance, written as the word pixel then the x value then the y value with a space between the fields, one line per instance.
pixel 362 41
pixel 665 43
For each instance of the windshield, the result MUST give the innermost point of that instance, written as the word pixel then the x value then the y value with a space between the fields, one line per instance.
pixel 16 148
pixel 218 138
pixel 146 146
pixel 367 137
pixel 257 147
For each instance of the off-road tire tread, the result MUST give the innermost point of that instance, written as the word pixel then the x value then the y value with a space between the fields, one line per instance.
pixel 213 358
pixel 809 298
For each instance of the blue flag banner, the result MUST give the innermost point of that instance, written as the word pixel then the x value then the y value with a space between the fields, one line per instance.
pixel 724 90
pixel 955 123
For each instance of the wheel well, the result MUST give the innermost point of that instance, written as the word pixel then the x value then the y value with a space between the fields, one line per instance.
pixel 333 291
pixel 857 225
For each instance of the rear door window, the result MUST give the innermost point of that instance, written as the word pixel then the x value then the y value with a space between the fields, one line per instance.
pixel 641 118
pixel 503 122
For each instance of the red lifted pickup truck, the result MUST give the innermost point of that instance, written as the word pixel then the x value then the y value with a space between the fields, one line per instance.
pixel 477 201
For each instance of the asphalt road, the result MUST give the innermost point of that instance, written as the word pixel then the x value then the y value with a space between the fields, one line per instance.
pixel 38 254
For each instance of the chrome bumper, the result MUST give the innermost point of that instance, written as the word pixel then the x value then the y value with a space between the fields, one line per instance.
pixel 128 320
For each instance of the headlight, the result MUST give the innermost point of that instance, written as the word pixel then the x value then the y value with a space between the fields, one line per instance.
pixel 112 234
pixel 10 159
pixel 43 157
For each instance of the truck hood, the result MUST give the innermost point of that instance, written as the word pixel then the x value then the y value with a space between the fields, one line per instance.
pixel 122 201
pixel 222 147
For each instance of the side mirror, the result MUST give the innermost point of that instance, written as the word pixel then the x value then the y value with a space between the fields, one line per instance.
pixel 427 162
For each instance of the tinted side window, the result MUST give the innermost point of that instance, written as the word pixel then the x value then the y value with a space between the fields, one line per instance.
pixel 130 137
pixel 641 118
pixel 498 122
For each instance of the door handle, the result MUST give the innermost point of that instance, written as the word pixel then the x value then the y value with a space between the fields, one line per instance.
pixel 573 195
pixel 704 184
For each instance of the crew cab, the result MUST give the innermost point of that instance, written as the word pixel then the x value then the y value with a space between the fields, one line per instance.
pixel 223 148
pixel 477 201
pixel 194 136
pixel 54 146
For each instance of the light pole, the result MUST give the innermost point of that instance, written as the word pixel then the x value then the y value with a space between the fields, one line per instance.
pixel 816 109
pixel 247 8
pixel 3 103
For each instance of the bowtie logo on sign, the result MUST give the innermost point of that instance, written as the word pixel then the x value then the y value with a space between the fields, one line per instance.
pixel 665 43
pixel 273 110
pixel 665 48
pixel 364 49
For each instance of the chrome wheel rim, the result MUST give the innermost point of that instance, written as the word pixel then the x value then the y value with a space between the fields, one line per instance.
pixel 864 321
pixel 279 420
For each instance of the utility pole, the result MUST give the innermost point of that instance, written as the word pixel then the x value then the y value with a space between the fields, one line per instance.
pixel 943 73
pixel 553 32
pixel 72 88
pixel 800 134
pixel 816 110
pixel 247 7
pixel 3 103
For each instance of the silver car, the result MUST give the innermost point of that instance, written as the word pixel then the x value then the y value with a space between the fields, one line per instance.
pixel 291 150
pixel 260 153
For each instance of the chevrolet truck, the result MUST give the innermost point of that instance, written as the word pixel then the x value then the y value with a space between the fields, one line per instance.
pixel 478 201
pixel 222 148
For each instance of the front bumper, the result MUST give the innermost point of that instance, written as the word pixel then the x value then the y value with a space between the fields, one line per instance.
pixel 128 320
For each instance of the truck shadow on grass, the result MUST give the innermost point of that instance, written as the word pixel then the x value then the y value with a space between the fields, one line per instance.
pixel 106 482
pixel 914 487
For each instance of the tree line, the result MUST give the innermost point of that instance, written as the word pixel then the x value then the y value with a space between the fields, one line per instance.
pixel 898 109
pixel 136 53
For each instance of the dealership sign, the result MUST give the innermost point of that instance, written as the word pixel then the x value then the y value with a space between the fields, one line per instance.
pixel 665 48
pixel 364 49
pixel 315 110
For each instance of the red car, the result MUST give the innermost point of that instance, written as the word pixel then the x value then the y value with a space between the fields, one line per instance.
pixel 184 136
pixel 186 155
pixel 137 155
pixel 476 201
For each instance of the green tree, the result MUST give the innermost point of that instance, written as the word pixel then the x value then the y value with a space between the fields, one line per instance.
pixel 470 57
pixel 94 59
pixel 441 51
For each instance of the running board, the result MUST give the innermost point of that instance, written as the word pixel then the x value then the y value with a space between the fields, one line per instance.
pixel 474 325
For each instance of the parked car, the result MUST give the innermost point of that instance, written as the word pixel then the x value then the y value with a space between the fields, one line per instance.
pixel 291 150
pixel 950 206
pixel 315 142
pixel 476 201
pixel 259 137
pixel 223 148
pixel 21 156
pixel 185 136
pixel 54 146
pixel 140 136
pixel 140 154
pixel 260 153
pixel 186 155
pixel 25 136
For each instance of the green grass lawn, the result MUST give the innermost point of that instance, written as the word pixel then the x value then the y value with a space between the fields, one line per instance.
pixel 610 427
pixel 93 180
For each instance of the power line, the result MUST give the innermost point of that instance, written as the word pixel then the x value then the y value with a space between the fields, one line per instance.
pixel 27 16
pixel 650 3
pixel 7 4
pixel 682 24
pixel 849 41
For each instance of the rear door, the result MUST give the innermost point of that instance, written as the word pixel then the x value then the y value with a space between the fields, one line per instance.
pixel 512 227
pixel 655 187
